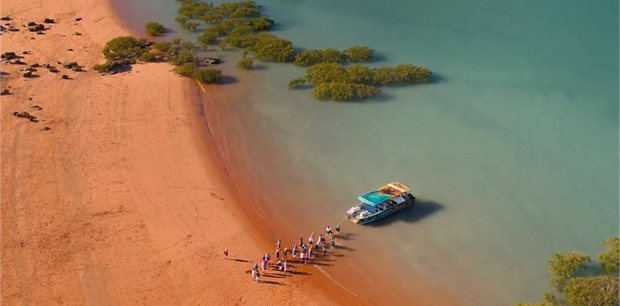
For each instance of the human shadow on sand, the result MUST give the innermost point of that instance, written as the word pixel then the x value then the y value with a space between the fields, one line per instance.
pixel 418 211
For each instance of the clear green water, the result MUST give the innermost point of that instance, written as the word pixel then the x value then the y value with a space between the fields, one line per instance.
pixel 513 151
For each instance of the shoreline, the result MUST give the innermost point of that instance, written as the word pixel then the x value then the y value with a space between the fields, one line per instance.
pixel 114 204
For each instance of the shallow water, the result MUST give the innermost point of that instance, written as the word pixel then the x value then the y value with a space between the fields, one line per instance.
pixel 512 150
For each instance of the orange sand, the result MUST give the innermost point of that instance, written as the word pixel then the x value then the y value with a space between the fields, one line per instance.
pixel 116 203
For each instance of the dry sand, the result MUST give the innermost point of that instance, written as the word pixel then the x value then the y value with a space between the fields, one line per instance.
pixel 116 202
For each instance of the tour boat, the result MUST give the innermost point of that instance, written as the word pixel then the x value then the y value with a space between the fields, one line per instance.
pixel 381 203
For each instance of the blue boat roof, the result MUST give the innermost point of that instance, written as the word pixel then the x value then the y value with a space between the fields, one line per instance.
pixel 383 194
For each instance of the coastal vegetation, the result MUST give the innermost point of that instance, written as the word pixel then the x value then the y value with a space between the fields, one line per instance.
pixel 155 29
pixel 358 54
pixel 121 52
pixel 574 282
pixel 333 81
pixel 333 74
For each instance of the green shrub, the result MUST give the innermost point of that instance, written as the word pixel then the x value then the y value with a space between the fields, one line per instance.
pixel 273 49
pixel 610 259
pixel 312 57
pixel 245 63
pixel 184 56
pixel 121 47
pixel 186 69
pixel 564 266
pixel 162 46
pixel 207 38
pixel 147 56
pixel 207 75
pixel 296 83
pixel 191 25
pixel 599 290
pixel 325 73
pixel 401 74
pixel 102 68
pixel 342 91
pixel 155 29
pixel 359 74
pixel 261 24
pixel 358 54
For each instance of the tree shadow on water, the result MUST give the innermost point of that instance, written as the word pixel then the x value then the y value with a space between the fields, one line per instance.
pixel 421 209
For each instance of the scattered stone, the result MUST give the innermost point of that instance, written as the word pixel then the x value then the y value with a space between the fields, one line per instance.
pixel 26 52
pixel 48 20
pixel 70 65
pixel 36 107
pixel 12 28
pixel 26 115
pixel 28 74
pixel 35 65
pixel 2 28
pixel 5 92
pixel 40 33
pixel 78 34
pixel 70 49
pixel 65 77
pixel 5 18
pixel 47 128
pixel 78 19
pixel 77 68
pixel 36 27
pixel 31 24
pixel 212 60
pixel 17 62
pixel 30 99
pixel 8 55
pixel 53 69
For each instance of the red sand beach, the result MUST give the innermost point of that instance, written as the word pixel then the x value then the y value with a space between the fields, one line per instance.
pixel 114 196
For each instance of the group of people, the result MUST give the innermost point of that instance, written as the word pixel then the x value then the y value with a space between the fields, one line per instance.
pixel 307 252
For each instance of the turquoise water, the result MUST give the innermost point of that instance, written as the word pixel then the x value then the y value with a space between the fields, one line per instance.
pixel 513 150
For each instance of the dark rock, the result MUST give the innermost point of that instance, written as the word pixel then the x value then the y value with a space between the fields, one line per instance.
pixel 77 68
pixel 28 74
pixel 65 77
pixel 5 92
pixel 78 19
pixel 17 62
pixel 26 115
pixel 70 49
pixel 8 55
pixel 47 128
pixel 53 70
pixel 36 107
pixel 13 28
pixel 35 65
pixel 36 28
pixel 78 34
pixel 5 18
pixel 26 52
pixel 70 65
pixel 32 24
pixel 48 20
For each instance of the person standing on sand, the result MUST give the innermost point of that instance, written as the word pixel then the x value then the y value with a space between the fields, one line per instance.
pixel 329 230
pixel 279 243
pixel 285 266
pixel 324 246
pixel 285 253
pixel 302 255
pixel 333 244
pixel 264 264
pixel 311 239
pixel 301 241
pixel 337 228
pixel 294 251
pixel 226 253
pixel 276 254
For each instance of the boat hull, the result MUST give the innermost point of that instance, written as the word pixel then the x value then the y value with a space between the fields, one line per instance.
pixel 382 214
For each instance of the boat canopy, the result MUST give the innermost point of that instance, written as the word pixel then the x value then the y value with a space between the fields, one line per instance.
pixel 383 194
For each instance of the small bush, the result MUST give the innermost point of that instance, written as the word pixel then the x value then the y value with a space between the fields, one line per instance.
pixel 207 75
pixel 147 56
pixel 245 63
pixel 121 47
pixel 186 69
pixel 155 29
pixel 296 83
pixel 162 46
pixel 358 54
pixel 102 68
